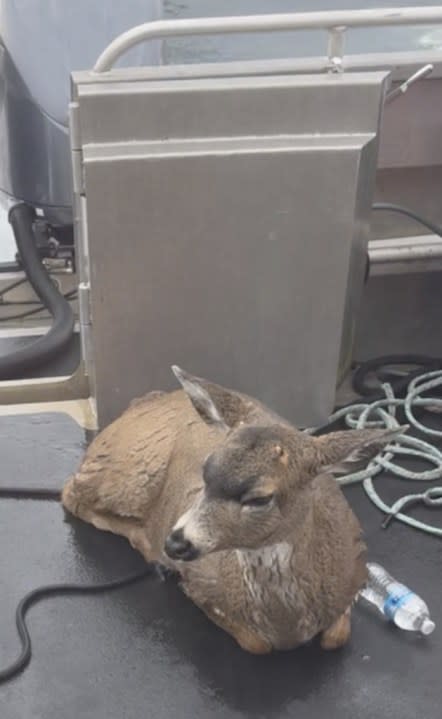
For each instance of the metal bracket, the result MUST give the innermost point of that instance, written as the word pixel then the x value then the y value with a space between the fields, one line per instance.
pixel 84 302
pixel 77 155
pixel 335 50
pixel 402 89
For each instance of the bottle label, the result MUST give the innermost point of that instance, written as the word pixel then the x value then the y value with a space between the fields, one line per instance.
pixel 395 600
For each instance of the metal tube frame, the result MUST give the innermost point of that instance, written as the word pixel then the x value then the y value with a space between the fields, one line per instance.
pixel 334 23
pixel 396 255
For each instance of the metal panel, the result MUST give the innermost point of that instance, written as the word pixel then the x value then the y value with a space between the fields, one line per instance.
pixel 409 133
pixel 225 245
pixel 228 107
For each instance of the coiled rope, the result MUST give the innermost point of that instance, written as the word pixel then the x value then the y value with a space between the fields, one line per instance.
pixel 382 413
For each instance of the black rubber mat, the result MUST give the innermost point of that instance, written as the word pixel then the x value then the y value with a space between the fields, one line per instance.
pixel 146 651
pixel 39 450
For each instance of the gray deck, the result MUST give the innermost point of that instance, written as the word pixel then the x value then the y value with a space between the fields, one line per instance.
pixel 146 651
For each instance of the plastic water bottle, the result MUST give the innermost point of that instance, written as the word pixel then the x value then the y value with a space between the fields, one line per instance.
pixel 396 602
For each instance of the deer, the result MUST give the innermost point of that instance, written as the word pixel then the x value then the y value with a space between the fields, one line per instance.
pixel 245 508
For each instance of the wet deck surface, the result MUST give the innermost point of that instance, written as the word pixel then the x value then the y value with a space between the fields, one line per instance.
pixel 146 651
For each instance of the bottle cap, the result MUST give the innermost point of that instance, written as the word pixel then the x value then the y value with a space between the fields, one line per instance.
pixel 427 626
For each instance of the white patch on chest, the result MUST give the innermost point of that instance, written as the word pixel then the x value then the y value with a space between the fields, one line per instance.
pixel 276 555
pixel 268 573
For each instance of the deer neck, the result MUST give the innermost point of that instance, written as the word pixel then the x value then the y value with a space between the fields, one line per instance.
pixel 271 571
pixel 268 572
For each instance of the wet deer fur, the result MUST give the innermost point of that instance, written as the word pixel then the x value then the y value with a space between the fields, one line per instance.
pixel 212 484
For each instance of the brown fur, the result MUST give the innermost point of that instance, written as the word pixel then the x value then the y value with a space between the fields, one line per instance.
pixel 274 576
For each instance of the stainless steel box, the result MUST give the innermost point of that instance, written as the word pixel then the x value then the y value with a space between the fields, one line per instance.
pixel 222 225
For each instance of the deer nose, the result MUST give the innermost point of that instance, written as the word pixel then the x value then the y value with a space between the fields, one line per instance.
pixel 178 547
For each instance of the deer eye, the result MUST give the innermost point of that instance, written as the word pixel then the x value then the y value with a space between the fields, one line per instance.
pixel 258 502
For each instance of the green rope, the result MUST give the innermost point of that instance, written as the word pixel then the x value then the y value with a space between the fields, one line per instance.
pixel 382 413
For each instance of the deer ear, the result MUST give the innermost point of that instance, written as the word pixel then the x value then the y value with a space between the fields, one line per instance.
pixel 214 404
pixel 349 451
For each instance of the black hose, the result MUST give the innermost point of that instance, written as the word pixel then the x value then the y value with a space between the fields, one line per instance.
pixel 399 385
pixel 370 394
pixel 388 207
pixel 424 363
pixel 55 340
pixel 24 657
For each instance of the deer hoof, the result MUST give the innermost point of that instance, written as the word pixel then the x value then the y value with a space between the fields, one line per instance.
pixel 252 643
pixel 338 634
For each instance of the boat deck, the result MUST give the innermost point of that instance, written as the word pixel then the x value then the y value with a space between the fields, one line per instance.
pixel 146 651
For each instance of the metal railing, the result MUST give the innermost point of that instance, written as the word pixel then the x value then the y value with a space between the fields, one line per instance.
pixel 422 253
pixel 335 23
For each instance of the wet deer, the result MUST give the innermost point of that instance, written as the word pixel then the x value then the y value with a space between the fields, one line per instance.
pixel 214 485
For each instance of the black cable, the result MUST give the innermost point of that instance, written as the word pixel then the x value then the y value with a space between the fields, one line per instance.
pixel 12 286
pixel 388 207
pixel 21 218
pixel 72 295
pixel 21 303
pixel 22 661
pixel 49 590
pixel 30 493
pixel 18 283
pixel 32 303
pixel 54 341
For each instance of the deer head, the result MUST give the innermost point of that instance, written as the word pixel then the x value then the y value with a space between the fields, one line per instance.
pixel 258 481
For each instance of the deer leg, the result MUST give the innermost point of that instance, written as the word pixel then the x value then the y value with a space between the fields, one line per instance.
pixel 243 635
pixel 110 521
pixel 125 527
pixel 338 634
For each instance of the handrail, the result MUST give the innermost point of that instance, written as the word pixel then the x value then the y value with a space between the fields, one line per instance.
pixel 334 22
